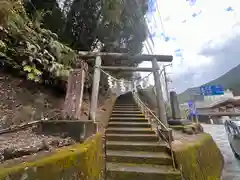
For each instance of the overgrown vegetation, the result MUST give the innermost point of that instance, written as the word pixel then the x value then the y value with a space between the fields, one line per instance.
pixel 37 38
pixel 30 50
pixel 102 25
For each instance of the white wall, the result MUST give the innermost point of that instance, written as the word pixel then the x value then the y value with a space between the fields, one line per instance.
pixel 227 94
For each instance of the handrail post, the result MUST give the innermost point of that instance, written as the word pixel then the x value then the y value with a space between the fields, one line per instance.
pixel 95 89
pixel 118 88
pixel 160 101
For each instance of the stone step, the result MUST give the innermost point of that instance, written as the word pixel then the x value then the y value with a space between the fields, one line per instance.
pixel 128 118
pixel 123 171
pixel 128 115
pixel 116 119
pixel 126 112
pixel 137 146
pixel 131 137
pixel 139 157
pixel 126 103
pixel 129 124
pixel 130 130
pixel 125 108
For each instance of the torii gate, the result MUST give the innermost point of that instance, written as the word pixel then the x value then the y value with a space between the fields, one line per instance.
pixel 76 103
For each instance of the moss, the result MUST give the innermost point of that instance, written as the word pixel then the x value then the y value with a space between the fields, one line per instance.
pixel 81 161
pixel 200 160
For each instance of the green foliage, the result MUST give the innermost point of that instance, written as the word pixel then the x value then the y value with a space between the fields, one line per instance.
pixel 33 51
pixel 4 8
pixel 32 73
pixel 10 6
pixel 112 11
pixel 2 46
pixel 116 25
pixel 128 31
pixel 48 12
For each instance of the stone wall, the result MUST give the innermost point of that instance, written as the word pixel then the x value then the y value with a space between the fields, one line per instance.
pixel 148 97
pixel 79 130
pixel 80 161
pixel 199 157
pixel 104 112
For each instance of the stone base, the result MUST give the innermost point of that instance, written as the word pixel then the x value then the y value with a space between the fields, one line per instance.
pixel 79 130
pixel 198 157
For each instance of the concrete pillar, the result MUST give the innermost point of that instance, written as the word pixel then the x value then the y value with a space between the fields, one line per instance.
pixel 175 105
pixel 95 89
pixel 160 101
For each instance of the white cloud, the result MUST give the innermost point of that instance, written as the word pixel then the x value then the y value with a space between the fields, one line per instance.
pixel 211 28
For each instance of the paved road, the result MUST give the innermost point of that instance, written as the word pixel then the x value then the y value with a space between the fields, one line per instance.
pixel 232 165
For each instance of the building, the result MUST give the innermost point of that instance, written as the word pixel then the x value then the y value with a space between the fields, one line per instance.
pixel 227 94
pixel 217 104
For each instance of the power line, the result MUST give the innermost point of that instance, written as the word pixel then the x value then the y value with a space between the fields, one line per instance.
pixel 160 17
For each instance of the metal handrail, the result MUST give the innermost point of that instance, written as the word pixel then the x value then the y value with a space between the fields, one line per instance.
pixel 148 111
pixel 154 116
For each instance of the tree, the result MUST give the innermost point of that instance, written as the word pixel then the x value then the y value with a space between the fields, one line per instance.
pixel 117 25
pixel 105 25
pixel 81 23
pixel 51 14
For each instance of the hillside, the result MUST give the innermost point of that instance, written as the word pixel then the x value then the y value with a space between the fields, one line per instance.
pixel 39 44
pixel 229 81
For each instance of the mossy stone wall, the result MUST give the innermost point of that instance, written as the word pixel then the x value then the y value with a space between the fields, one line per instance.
pixel 200 159
pixel 80 161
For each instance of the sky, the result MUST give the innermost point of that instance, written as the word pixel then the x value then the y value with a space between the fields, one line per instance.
pixel 203 36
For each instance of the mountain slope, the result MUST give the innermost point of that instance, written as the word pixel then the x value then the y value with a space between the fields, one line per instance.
pixel 230 80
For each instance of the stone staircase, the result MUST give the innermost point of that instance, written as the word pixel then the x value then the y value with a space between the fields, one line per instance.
pixel 133 150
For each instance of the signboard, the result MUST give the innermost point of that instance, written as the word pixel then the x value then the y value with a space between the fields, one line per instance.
pixel 212 90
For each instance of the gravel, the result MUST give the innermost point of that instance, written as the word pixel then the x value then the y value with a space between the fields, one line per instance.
pixel 27 142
